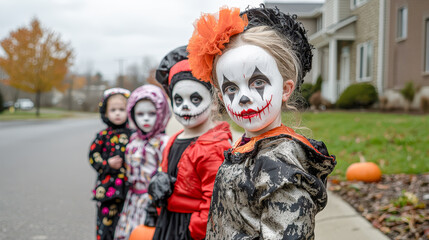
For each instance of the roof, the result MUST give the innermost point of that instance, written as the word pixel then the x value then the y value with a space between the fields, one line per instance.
pixel 321 37
pixel 300 9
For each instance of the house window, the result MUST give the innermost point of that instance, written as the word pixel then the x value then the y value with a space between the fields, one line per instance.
pixel 402 23
pixel 364 60
pixel 427 45
pixel 357 3
pixel 319 23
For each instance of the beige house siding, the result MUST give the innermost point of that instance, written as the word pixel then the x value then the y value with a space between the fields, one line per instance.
pixel 406 56
pixel 344 9
pixel 328 14
pixel 366 30
pixel 307 14
pixel 310 25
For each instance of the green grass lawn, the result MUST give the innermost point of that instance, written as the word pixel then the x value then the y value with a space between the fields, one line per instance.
pixel 397 143
pixel 45 113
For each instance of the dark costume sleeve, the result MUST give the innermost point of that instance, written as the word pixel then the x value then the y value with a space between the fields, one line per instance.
pixel 288 194
pixel 96 157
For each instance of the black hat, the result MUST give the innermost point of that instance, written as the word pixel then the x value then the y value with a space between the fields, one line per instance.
pixel 175 67
pixel 286 25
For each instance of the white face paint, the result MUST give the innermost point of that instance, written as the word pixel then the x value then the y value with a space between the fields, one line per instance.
pixel 191 103
pixel 251 87
pixel 145 115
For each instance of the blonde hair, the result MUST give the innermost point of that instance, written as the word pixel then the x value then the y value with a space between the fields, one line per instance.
pixel 279 48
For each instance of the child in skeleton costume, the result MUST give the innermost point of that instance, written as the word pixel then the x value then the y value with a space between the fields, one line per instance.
pixel 106 156
pixel 148 110
pixel 273 180
pixel 192 156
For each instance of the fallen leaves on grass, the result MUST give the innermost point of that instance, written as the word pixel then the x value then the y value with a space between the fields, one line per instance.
pixel 398 205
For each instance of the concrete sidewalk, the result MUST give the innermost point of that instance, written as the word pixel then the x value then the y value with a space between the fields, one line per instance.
pixel 337 221
pixel 340 221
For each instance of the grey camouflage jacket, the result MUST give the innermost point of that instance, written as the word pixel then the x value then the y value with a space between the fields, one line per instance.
pixel 270 189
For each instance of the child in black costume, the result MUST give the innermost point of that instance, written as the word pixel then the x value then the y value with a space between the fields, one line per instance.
pixel 106 157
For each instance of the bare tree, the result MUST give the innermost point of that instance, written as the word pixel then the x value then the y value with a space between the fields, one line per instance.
pixel 148 63
pixel 133 76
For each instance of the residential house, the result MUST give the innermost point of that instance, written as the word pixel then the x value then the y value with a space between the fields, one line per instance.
pixel 374 41
pixel 407 43
pixel 310 14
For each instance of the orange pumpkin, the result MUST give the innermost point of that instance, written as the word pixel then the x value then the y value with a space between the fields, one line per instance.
pixel 363 171
pixel 142 232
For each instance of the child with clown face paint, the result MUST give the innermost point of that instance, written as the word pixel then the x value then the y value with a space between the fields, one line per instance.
pixel 273 181
pixel 148 110
pixel 192 156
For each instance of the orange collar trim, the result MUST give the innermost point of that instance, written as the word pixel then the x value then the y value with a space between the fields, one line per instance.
pixel 271 133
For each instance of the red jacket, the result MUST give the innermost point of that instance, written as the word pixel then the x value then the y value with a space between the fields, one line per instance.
pixel 196 174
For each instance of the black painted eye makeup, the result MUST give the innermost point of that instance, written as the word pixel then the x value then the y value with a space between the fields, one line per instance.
pixel 178 100
pixel 258 80
pixel 226 83
pixel 196 99
pixel 258 75
pixel 229 88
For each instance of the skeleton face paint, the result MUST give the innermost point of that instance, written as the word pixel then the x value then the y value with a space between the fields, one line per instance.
pixel 191 103
pixel 145 115
pixel 251 86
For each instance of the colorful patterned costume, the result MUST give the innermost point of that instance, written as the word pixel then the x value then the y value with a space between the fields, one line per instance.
pixel 143 157
pixel 111 188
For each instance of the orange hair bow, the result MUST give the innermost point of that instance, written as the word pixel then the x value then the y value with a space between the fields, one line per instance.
pixel 209 38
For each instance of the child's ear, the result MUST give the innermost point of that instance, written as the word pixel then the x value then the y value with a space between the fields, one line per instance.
pixel 220 96
pixel 288 87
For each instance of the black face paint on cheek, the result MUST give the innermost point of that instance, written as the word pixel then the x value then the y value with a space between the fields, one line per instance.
pixel 196 99
pixel 178 100
pixel 226 83
pixel 258 75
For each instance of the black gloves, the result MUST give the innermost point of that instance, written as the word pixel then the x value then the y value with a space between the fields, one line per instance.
pixel 160 188
pixel 151 215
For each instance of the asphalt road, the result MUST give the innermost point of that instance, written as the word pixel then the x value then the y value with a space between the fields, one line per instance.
pixel 46 180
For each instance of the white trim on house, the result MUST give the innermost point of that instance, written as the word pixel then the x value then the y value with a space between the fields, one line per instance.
pixel 331 89
pixel 401 23
pixel 315 65
pixel 356 3
pixel 317 12
pixel 380 62
pixel 336 13
pixel 364 60
pixel 331 30
pixel 426 47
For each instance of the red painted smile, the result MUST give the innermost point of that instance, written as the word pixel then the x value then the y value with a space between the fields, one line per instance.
pixel 146 125
pixel 250 113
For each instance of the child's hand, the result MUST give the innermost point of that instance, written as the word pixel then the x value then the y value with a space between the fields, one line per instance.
pixel 115 162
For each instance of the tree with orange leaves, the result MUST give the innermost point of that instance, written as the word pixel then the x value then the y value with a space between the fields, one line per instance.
pixel 36 60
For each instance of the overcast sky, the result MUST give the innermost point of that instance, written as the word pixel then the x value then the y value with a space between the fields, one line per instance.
pixel 102 32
